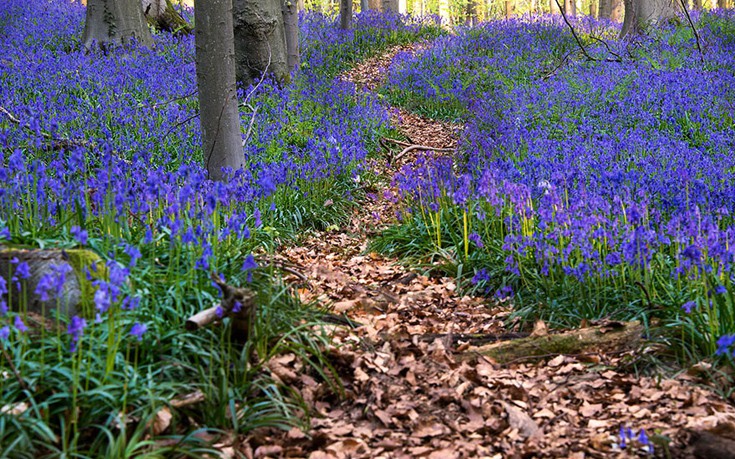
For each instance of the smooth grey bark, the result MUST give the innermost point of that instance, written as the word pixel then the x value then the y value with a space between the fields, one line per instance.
pixel 387 5
pixel 260 42
pixel 570 7
pixel 611 9
pixel 162 15
pixel 364 5
pixel 345 14
pixel 291 31
pixel 117 22
pixel 215 65
pixel 641 14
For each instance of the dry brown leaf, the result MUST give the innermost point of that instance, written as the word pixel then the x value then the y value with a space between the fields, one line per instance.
pixel 518 419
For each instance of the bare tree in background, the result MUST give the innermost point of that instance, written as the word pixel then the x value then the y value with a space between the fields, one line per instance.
pixel 117 22
pixel 640 14
pixel 291 30
pixel 215 65
pixel 345 14
pixel 260 42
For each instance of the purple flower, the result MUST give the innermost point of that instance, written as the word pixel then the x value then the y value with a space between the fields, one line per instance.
pixel 236 307
pixel 76 330
pixel 248 266
pixel 474 237
pixel 3 307
pixel 53 282
pixel 249 263
pixel 689 306
pixel 23 271
pixel 138 330
pixel 4 332
pixel 80 235
pixel 724 344
pixel 480 276
pixel 19 325
pixel 5 234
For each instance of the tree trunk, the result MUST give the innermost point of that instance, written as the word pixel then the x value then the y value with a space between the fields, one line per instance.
pixel 162 15
pixel 117 22
pixel 593 13
pixel 345 14
pixel 722 3
pixel 570 7
pixel 472 13
pixel 617 10
pixel 641 14
pixel 364 5
pixel 260 42
pixel 388 5
pixel 300 5
pixel 375 5
pixel 215 65
pixel 554 7
pixel 291 30
pixel 508 8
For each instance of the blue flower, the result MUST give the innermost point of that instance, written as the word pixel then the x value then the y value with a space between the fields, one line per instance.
pixel 76 331
pixel 4 333
pixel 724 344
pixel 80 235
pixel 138 330
pixel 19 325
pixel 689 306
pixel 474 237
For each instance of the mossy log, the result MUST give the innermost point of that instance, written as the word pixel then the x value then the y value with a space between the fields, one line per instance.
pixel 169 20
pixel 76 291
pixel 612 336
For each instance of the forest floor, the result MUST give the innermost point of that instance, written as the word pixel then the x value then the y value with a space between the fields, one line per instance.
pixel 412 386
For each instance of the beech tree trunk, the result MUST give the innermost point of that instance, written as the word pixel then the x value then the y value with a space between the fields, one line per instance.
pixel 215 65
pixel 388 5
pixel 570 7
pixel 554 7
pixel 291 30
pixel 345 14
pixel 260 42
pixel 508 8
pixel 116 22
pixel 721 3
pixel 641 14
pixel 364 5
pixel 162 15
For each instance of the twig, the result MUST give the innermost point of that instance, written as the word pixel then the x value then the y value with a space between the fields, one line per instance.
pixel 168 102
pixel 56 142
pixel 694 29
pixel 560 65
pixel 574 32
pixel 410 148
pixel 397 142
pixel 12 367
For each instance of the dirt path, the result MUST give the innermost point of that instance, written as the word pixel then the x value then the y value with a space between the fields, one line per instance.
pixel 407 394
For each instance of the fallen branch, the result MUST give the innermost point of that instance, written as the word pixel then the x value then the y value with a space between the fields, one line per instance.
pixel 237 302
pixel 56 142
pixel 420 147
pixel 474 339
pixel 612 336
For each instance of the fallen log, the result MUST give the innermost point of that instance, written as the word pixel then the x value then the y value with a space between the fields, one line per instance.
pixel 611 336
pixel 71 293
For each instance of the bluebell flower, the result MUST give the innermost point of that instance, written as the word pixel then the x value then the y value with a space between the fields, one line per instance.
pixel 19 325
pixel 80 235
pixel 76 331
pixel 138 330
pixel 4 332
pixel 689 306
pixel 724 344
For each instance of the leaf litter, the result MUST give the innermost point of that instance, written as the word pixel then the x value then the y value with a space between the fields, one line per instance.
pixel 406 396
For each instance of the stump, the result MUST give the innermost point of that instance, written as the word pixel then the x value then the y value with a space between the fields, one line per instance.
pixel 76 291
